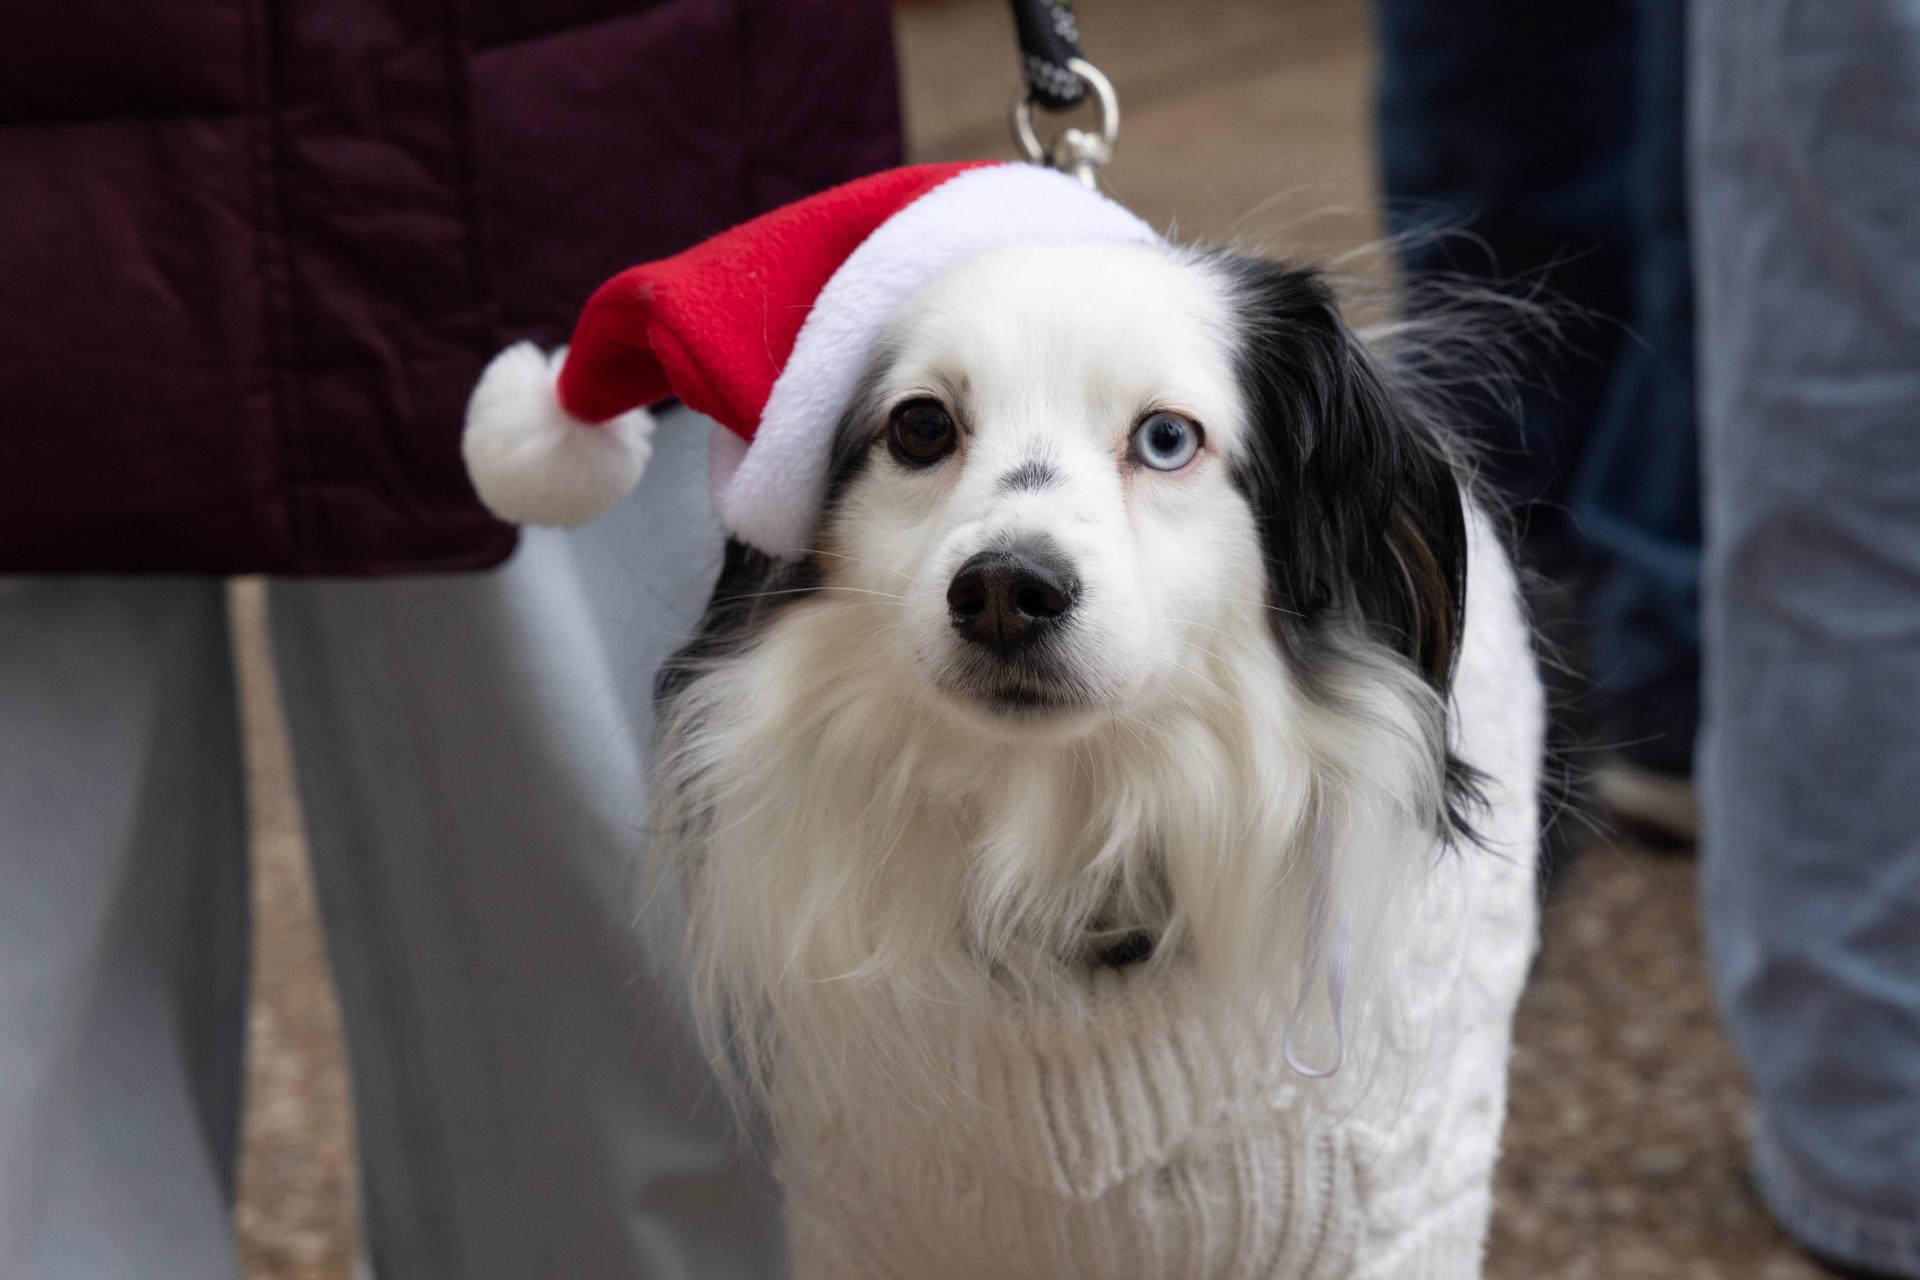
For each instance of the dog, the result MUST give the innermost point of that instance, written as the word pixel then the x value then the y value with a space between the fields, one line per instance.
pixel 1109 851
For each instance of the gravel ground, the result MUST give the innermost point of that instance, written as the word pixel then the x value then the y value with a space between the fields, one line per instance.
pixel 1628 1114
pixel 1627 1124
pixel 297 1218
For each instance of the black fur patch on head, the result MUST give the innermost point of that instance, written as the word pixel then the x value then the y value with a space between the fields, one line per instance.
pixel 753 587
pixel 1032 474
pixel 855 435
pixel 1355 489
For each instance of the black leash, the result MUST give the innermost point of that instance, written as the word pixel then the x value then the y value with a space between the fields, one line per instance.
pixel 1058 78
pixel 1049 39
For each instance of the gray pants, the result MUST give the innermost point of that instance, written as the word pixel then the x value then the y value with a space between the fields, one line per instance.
pixel 469 753
pixel 1806 128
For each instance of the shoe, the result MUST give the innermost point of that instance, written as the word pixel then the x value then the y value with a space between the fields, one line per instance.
pixel 1651 804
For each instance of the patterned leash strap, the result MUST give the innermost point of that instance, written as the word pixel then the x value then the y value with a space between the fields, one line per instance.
pixel 1057 77
pixel 1049 40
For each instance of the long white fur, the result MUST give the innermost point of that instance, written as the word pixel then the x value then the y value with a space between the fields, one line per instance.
pixel 869 852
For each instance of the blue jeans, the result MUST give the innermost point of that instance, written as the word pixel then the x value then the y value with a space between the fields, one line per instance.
pixel 1806 136
pixel 1552 134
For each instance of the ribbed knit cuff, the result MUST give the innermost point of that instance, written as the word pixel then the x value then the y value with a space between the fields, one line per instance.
pixel 1835 1232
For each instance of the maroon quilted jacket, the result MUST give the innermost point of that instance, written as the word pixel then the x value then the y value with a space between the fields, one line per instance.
pixel 253 253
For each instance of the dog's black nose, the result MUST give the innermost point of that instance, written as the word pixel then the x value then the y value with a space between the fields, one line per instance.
pixel 1009 598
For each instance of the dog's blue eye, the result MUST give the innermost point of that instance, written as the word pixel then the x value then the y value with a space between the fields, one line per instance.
pixel 921 433
pixel 1166 441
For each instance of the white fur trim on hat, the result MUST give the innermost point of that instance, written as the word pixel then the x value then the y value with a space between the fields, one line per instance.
pixel 772 497
pixel 534 463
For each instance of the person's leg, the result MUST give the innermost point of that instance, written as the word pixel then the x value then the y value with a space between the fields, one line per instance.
pixel 1806 123
pixel 1547 140
pixel 1636 497
pixel 123 934
pixel 471 754
pixel 1506 128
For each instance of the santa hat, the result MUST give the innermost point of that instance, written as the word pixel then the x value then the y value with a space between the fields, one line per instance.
pixel 767 329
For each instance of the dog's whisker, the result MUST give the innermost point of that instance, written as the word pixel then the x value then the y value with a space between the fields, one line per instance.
pixel 1225 696
pixel 815 590
pixel 841 555
pixel 1262 604
pixel 1204 626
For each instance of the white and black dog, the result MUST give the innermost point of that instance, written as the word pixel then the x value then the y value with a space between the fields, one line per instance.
pixel 1129 764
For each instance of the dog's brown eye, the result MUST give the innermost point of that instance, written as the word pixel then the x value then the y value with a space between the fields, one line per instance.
pixel 922 432
pixel 1166 441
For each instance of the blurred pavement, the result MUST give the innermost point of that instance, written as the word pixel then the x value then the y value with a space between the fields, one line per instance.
pixel 1243 120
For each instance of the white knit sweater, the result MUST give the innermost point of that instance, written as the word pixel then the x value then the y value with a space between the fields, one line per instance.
pixel 1151 1143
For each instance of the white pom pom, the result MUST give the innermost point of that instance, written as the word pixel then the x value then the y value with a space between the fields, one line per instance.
pixel 534 463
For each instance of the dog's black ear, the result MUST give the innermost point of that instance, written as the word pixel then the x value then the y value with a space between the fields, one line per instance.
pixel 1356 488
pixel 751 587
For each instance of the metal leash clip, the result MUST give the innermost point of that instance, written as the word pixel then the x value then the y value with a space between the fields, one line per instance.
pixel 1076 151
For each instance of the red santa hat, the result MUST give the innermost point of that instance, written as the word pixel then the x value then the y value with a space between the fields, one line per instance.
pixel 767 329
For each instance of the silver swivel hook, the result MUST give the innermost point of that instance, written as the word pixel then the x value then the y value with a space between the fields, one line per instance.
pixel 1076 151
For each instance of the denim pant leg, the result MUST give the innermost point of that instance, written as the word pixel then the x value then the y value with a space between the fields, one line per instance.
pixel 1636 495
pixel 1806 121
pixel 1552 135
pixel 1504 135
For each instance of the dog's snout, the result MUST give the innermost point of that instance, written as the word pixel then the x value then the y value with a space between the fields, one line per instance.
pixel 1009 598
